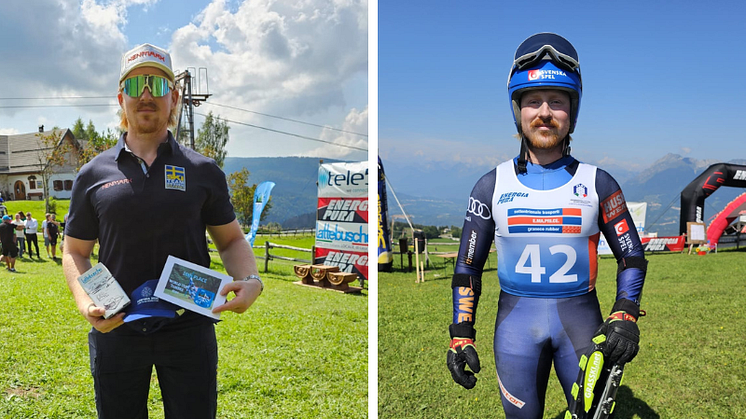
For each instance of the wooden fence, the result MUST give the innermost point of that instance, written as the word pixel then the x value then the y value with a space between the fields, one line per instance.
pixel 268 256
pixel 281 233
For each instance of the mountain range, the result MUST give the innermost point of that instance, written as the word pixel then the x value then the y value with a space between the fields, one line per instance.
pixel 294 197
pixel 437 195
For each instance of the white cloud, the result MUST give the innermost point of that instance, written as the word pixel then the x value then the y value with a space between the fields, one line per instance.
pixel 355 123
pixel 278 56
pixel 300 59
pixel 60 46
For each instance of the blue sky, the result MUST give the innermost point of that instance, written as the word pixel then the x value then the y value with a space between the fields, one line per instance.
pixel 305 61
pixel 658 78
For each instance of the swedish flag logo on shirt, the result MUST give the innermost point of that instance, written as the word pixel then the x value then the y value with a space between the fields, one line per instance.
pixel 175 178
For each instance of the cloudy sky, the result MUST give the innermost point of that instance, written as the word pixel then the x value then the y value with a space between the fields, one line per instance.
pixel 658 78
pixel 298 67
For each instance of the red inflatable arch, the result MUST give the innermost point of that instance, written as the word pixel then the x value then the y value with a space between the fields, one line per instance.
pixel 725 217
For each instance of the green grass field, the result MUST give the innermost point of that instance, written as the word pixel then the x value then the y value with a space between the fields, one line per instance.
pixel 691 363
pixel 297 353
pixel 38 208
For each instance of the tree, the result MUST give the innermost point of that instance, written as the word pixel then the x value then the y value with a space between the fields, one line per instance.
pixel 212 138
pixel 93 143
pixel 242 197
pixel 78 129
pixel 456 232
pixel 431 232
pixel 51 155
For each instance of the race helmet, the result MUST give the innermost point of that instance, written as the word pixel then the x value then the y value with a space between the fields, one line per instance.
pixel 545 61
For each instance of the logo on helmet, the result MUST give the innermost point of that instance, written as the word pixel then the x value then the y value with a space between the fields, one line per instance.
pixel 545 74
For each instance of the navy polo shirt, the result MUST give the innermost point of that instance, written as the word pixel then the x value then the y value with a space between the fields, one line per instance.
pixel 142 215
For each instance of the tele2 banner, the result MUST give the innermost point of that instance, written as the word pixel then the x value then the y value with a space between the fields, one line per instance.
pixel 342 217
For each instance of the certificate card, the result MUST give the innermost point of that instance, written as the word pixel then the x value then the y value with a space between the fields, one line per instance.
pixel 191 286
pixel 104 290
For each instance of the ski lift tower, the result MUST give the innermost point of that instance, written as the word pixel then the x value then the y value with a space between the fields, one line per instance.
pixel 194 90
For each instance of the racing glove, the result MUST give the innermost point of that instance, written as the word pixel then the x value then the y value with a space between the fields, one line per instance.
pixel 462 353
pixel 621 332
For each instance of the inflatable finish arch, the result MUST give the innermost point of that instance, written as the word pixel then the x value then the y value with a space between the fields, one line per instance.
pixel 694 195
pixel 725 217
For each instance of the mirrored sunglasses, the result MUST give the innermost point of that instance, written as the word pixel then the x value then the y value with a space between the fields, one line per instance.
pixel 135 85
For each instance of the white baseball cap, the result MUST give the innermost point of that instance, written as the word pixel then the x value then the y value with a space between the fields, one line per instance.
pixel 146 55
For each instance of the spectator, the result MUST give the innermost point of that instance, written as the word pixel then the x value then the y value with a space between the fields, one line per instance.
pixel 32 228
pixel 8 240
pixel 52 232
pixel 44 231
pixel 20 236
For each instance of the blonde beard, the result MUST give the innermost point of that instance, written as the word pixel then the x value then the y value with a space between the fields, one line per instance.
pixel 173 117
pixel 544 140
pixel 547 140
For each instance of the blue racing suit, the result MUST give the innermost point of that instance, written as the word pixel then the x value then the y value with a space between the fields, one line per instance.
pixel 546 225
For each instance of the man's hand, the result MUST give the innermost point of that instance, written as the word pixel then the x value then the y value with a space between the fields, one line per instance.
pixel 95 316
pixel 246 293
pixel 621 331
pixel 462 353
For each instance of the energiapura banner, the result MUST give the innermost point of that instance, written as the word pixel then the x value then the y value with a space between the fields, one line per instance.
pixel 342 217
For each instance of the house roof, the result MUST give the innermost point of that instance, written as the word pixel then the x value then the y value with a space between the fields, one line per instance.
pixel 21 153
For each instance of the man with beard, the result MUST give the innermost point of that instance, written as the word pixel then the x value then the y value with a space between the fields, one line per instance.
pixel 545 211
pixel 143 200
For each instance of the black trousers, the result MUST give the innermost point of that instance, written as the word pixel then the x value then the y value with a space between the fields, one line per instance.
pixel 185 358
pixel 31 238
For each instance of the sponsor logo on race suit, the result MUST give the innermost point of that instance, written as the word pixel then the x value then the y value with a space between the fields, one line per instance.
pixel 613 206
pixel 479 209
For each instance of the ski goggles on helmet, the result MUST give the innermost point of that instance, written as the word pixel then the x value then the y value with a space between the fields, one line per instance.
pixel 530 58
pixel 159 86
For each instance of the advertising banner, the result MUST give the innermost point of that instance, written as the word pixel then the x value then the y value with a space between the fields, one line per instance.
pixel 342 217
pixel 261 196
pixel 385 254
pixel 664 244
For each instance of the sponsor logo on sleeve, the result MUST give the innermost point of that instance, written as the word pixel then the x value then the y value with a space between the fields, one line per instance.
pixel 621 227
pixel 472 247
pixel 465 305
pixel 479 209
pixel 613 206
